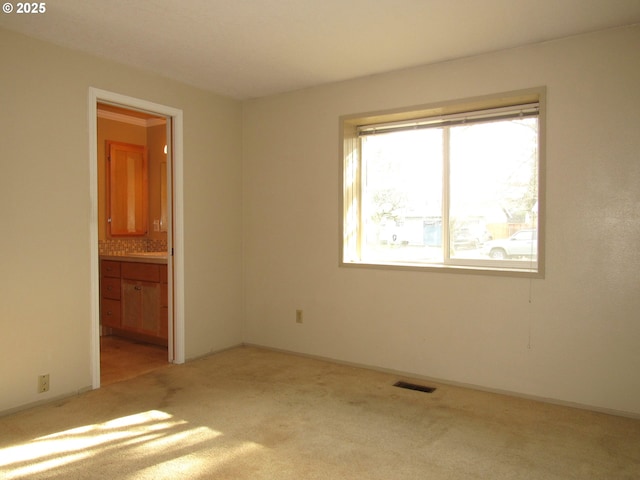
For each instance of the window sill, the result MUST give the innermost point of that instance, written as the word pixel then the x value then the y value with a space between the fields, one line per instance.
pixel 448 268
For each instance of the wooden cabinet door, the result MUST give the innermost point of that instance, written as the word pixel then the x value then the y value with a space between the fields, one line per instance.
pixel 150 323
pixel 127 189
pixel 141 306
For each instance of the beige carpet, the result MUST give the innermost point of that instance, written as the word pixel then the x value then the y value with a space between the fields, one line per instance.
pixel 249 413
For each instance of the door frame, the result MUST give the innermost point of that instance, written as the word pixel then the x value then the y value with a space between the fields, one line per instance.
pixel 175 237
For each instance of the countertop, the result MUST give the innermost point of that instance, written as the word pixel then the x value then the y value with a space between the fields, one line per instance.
pixel 142 257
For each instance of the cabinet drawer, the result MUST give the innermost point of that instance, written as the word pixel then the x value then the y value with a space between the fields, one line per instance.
pixel 110 288
pixel 110 313
pixel 147 272
pixel 109 268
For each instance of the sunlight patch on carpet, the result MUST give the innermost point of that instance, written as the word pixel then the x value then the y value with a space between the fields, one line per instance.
pixel 141 434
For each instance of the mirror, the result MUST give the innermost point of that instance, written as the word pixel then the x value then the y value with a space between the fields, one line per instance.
pixel 127 189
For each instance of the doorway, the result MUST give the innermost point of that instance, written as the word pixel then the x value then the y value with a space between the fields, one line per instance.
pixel 165 225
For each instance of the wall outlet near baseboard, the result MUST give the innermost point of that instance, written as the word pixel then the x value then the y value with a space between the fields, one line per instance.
pixel 298 316
pixel 43 383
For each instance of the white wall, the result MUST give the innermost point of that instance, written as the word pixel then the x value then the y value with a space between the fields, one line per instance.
pixel 571 337
pixel 45 306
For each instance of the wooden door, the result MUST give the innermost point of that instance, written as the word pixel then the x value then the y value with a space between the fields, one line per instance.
pixel 127 189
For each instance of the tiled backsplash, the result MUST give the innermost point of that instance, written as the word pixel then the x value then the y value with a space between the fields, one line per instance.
pixel 122 246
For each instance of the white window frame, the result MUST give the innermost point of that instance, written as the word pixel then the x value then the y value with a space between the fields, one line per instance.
pixel 351 226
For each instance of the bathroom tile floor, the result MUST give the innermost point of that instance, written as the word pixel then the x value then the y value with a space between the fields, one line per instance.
pixel 121 358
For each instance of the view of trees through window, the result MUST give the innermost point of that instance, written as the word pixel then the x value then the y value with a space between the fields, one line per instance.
pixel 463 193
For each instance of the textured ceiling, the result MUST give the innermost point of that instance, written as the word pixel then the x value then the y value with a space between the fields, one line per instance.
pixel 253 48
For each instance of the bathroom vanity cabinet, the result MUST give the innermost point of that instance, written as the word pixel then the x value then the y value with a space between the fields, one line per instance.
pixel 134 299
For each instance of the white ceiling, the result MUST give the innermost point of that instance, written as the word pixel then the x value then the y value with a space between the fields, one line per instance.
pixel 252 48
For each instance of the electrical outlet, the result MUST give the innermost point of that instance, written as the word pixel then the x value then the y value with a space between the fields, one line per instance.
pixel 43 383
pixel 298 316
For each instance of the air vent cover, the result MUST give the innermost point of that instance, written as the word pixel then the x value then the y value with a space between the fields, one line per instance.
pixel 413 386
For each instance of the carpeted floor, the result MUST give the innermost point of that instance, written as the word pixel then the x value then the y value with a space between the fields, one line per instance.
pixel 251 413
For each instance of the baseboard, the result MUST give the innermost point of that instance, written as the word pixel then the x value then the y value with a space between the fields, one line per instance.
pixel 48 401
pixel 213 352
pixel 59 398
pixel 552 401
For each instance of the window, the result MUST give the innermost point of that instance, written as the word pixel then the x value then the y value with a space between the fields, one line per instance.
pixel 448 186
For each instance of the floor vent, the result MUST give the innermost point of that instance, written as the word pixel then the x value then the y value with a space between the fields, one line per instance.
pixel 413 386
